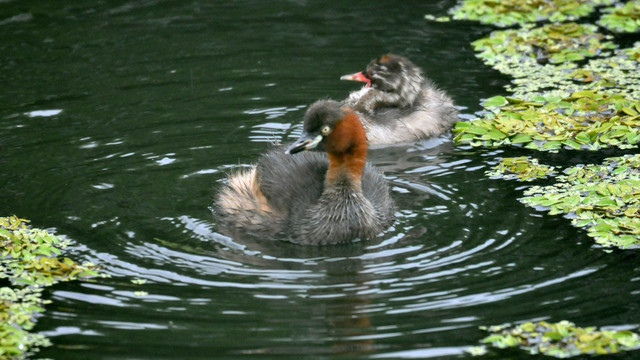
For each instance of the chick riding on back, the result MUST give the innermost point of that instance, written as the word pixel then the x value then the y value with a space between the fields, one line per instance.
pixel 398 104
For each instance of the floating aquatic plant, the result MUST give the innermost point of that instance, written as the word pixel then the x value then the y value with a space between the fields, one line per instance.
pixel 615 74
pixel 583 120
pixel 633 53
pixel 622 18
pixel 509 51
pixel 523 168
pixel 509 12
pixel 30 259
pixel 561 340
pixel 31 256
pixel 605 199
pixel 17 310
pixel 545 58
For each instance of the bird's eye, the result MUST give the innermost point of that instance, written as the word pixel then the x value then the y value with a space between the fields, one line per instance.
pixel 326 130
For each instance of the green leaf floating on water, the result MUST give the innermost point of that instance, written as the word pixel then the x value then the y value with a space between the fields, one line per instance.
pixel 495 101
pixel 29 260
pixel 585 119
pixel 615 74
pixel 522 168
pixel 561 340
pixel 509 12
pixel 605 199
pixel 551 43
pixel 622 18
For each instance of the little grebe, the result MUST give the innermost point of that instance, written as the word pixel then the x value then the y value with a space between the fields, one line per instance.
pixel 398 104
pixel 312 198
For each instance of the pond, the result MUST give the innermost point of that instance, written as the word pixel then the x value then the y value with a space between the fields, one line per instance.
pixel 119 120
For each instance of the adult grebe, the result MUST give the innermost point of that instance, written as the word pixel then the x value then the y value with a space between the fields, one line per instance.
pixel 311 197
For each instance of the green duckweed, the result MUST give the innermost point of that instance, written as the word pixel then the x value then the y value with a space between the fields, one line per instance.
pixel 561 340
pixel 604 199
pixel 504 13
pixel 30 260
pixel 510 50
pixel 582 120
pixel 523 168
pixel 622 18
pixel 616 74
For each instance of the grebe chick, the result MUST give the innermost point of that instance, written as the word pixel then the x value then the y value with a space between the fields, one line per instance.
pixel 398 104
pixel 309 197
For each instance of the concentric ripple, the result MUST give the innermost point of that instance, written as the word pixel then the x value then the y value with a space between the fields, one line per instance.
pixel 118 123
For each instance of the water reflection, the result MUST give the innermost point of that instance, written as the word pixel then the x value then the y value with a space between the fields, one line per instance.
pixel 452 256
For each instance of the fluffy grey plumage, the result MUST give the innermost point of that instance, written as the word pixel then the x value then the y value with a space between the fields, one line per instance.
pixel 400 105
pixel 314 213
pixel 292 196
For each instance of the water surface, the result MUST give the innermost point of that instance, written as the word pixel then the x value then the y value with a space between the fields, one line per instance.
pixel 120 119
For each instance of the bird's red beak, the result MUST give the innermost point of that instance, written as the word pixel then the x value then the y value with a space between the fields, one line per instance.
pixel 359 76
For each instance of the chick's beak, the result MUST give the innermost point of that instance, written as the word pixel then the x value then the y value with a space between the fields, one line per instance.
pixel 305 142
pixel 359 76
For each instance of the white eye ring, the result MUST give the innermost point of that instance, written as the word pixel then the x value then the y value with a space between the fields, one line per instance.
pixel 326 130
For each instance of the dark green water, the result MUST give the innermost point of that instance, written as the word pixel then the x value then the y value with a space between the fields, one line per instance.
pixel 119 119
